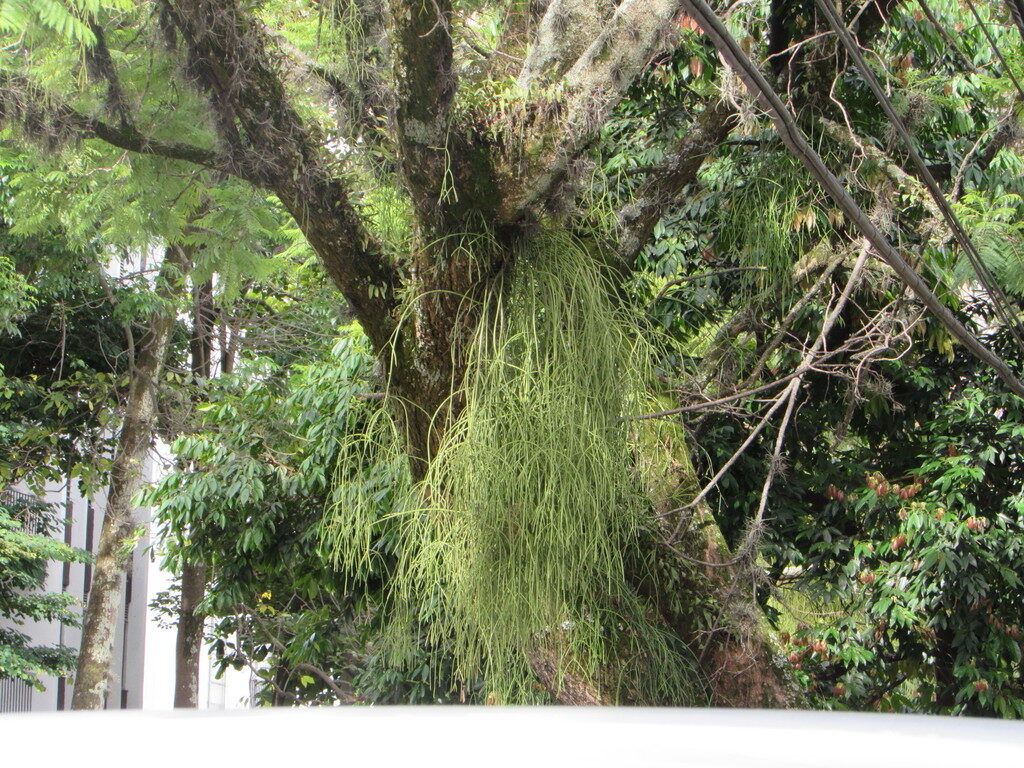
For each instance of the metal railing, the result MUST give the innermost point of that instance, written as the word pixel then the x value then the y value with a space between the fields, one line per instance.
pixel 24 507
pixel 15 695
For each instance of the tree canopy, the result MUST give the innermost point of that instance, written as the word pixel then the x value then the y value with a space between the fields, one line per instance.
pixel 654 352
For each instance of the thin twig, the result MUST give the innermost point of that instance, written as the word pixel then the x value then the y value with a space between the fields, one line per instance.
pixel 788 396
pixel 796 141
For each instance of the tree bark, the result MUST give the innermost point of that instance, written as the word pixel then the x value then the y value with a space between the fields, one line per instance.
pixel 564 32
pixel 188 646
pixel 118 534
pixel 189 638
pixel 456 185
pixel 738 653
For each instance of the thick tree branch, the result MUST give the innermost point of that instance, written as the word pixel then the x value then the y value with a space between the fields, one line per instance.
pixel 446 168
pixel 425 90
pixel 117 534
pixel 364 102
pixel 589 91
pixel 565 31
pixel 517 28
pixel 44 117
pixel 677 171
pixel 228 56
pixel 101 66
pixel 328 85
pixel 129 138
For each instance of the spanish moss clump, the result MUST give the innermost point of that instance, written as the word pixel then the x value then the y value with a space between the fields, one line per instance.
pixel 514 558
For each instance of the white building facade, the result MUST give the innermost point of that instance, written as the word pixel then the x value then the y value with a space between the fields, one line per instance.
pixel 81 520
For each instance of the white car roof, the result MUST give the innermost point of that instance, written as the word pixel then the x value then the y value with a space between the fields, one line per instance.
pixel 457 736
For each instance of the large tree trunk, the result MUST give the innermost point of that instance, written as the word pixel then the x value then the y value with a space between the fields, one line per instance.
pixel 706 593
pixel 117 536
pixel 475 181
pixel 740 655
pixel 472 174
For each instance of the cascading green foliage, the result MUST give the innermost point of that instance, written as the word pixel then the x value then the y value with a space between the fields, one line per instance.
pixel 372 491
pixel 767 222
pixel 512 549
pixel 68 20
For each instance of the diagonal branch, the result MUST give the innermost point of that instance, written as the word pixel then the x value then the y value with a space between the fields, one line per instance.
pixel 677 171
pixel 790 133
pixel 951 44
pixel 710 129
pixel 563 34
pixel 230 57
pixel 43 116
pixel 101 66
pixel 359 117
pixel 1007 69
pixel 789 397
pixel 1017 12
pixel 985 276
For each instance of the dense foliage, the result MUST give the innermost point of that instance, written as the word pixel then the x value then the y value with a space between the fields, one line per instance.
pixel 616 396
pixel 27 548
pixel 263 455
pixel 905 531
